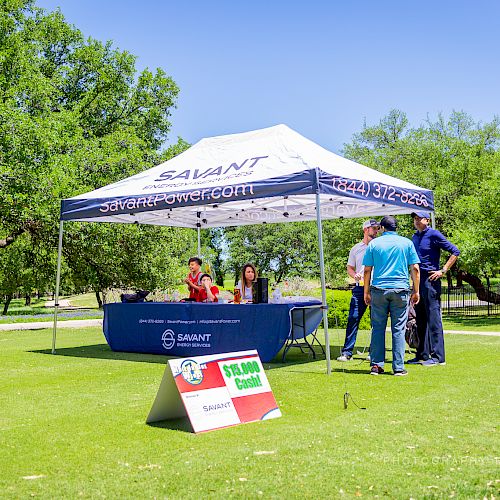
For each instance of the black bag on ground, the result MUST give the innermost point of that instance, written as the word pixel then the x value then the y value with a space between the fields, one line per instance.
pixel 411 334
pixel 138 296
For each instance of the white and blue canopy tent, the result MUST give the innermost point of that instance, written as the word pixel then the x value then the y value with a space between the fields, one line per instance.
pixel 265 176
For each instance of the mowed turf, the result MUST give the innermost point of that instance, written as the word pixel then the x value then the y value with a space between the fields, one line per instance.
pixel 73 425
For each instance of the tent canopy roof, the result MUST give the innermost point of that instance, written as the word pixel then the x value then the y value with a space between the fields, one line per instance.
pixel 267 175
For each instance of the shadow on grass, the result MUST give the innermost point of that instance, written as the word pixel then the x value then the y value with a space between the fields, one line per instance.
pixel 177 424
pixel 103 351
pixel 293 358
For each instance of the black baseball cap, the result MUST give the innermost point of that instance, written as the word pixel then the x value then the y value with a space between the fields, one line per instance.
pixel 389 223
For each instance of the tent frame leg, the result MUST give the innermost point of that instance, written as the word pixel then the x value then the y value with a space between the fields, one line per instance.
pixel 58 280
pixel 323 284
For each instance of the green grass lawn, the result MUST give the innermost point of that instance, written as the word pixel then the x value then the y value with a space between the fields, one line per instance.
pixel 83 306
pixel 87 300
pixel 73 425
pixel 474 323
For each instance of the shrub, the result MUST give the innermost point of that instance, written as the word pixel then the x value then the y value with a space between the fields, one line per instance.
pixel 298 286
pixel 338 310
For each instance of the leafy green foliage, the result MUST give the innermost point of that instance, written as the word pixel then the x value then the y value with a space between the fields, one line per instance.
pixel 74 116
pixel 283 249
pixel 460 161
pixel 125 256
pixel 338 310
pixel 339 236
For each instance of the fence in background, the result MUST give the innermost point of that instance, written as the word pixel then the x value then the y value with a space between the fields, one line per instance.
pixel 463 301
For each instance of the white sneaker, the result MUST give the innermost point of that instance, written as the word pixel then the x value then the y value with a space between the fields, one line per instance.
pixel 344 358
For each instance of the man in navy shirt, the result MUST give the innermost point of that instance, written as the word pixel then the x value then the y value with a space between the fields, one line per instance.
pixel 429 242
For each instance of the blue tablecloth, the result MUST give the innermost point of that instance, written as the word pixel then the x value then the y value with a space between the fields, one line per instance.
pixel 195 329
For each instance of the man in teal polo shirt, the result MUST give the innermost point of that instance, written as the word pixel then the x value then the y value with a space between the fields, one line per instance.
pixel 389 258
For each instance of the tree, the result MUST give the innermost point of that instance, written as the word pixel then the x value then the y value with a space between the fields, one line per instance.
pixel 214 247
pixel 460 161
pixel 104 256
pixel 339 236
pixel 13 271
pixel 283 249
pixel 74 116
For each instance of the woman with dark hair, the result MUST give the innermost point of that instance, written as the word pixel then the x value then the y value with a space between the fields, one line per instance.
pixel 248 276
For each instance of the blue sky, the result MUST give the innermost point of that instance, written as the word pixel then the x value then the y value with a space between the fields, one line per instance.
pixel 321 67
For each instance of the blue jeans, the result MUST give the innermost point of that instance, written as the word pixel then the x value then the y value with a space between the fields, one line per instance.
pixel 356 310
pixel 385 302
pixel 429 323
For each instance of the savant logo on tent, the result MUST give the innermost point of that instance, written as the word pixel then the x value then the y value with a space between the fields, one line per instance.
pixel 207 172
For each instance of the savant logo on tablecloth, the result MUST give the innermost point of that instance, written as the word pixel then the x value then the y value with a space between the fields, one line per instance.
pixel 168 339
pixel 191 372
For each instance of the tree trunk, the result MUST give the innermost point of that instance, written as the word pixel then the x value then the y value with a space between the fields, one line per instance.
pixel 98 298
pixel 279 276
pixel 481 291
pixel 27 299
pixel 8 298
pixel 218 271
pixel 5 242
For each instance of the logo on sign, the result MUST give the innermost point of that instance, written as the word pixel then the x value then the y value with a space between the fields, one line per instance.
pixel 191 372
pixel 168 339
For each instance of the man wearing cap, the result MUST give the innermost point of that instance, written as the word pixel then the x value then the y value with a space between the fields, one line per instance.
pixel 355 270
pixel 389 257
pixel 429 242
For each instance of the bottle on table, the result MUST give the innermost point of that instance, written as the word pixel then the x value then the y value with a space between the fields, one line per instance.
pixel 237 296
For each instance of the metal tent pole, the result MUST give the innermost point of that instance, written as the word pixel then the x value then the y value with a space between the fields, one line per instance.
pixel 433 220
pixel 198 227
pixel 323 285
pixel 58 279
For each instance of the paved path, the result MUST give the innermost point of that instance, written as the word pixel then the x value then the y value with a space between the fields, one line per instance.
pixel 62 303
pixel 462 332
pixel 40 325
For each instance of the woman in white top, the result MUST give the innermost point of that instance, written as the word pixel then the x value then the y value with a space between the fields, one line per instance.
pixel 248 276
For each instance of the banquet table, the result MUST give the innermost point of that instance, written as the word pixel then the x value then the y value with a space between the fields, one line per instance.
pixel 195 329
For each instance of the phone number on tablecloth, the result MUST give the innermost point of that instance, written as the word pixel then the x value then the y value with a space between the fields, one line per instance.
pixel 379 191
